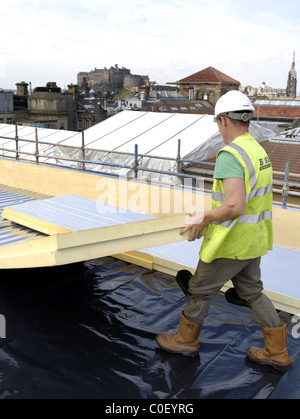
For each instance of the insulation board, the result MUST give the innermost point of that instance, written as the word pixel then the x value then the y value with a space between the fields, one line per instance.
pixel 67 213
pixel 80 229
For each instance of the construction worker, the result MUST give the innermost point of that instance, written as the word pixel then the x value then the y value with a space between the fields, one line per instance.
pixel 238 232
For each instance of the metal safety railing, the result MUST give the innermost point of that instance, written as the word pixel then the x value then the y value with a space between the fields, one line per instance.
pixel 136 167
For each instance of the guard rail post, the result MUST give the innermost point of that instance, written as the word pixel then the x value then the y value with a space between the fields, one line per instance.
pixel 285 187
pixel 83 150
pixel 178 159
pixel 136 161
pixel 17 142
pixel 36 146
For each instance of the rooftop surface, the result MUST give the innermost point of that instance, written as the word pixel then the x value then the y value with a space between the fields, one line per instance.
pixel 11 232
pixel 277 112
pixel 88 331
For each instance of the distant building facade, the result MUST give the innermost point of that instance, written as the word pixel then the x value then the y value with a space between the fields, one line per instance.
pixel 111 79
pixel 263 90
pixel 13 107
pixel 49 107
pixel 88 110
pixel 6 101
pixel 272 92
pixel 208 84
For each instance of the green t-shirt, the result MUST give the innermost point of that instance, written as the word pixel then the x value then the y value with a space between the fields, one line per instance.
pixel 227 166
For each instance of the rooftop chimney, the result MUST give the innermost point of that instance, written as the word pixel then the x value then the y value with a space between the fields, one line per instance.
pixel 22 88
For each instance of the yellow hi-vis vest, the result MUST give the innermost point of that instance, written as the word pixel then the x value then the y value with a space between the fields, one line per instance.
pixel 250 235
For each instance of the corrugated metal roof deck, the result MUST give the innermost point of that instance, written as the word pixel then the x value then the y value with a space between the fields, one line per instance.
pixel 11 232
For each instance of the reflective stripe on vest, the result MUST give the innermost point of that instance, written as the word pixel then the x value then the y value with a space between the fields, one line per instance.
pixel 246 219
pixel 250 167
pixel 260 192
pixel 250 235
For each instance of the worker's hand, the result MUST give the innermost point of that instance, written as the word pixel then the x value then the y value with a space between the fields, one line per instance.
pixel 197 226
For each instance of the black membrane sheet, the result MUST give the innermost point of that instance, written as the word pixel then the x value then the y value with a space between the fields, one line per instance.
pixel 88 331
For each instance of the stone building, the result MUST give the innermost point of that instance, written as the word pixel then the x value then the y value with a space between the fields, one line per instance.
pixel 208 84
pixel 51 108
pixel 263 90
pixel 6 102
pixel 113 79
pixel 13 107
pixel 87 110
pixel 22 88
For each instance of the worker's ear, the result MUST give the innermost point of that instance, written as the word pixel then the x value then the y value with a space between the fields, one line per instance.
pixel 224 120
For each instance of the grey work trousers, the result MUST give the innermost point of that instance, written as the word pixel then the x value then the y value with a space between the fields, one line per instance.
pixel 245 275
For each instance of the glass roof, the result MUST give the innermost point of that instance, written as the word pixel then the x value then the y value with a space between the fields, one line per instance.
pixel 264 102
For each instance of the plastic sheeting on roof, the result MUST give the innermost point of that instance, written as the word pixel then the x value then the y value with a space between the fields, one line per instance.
pixel 211 147
pixel 155 135
pixel 88 331
pixel 113 142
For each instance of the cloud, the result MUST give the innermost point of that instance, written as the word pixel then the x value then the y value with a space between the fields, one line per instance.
pixel 166 39
pixel 127 16
pixel 2 66
pixel 119 16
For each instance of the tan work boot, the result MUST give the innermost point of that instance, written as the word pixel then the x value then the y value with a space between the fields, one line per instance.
pixel 275 351
pixel 185 341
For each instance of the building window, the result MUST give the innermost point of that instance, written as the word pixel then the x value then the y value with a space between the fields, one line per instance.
pixel 191 94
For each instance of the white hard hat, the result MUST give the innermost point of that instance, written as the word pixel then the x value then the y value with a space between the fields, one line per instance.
pixel 235 105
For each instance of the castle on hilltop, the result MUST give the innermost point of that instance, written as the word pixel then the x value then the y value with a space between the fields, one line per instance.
pixel 111 79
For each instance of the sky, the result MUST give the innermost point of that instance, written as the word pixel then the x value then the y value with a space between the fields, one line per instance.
pixel 252 42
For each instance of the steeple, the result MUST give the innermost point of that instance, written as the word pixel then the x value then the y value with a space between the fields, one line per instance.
pixel 291 90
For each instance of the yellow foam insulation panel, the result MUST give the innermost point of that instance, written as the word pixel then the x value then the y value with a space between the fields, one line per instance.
pixel 67 213
pixel 82 229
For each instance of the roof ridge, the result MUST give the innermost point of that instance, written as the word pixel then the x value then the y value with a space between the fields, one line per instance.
pixel 209 74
